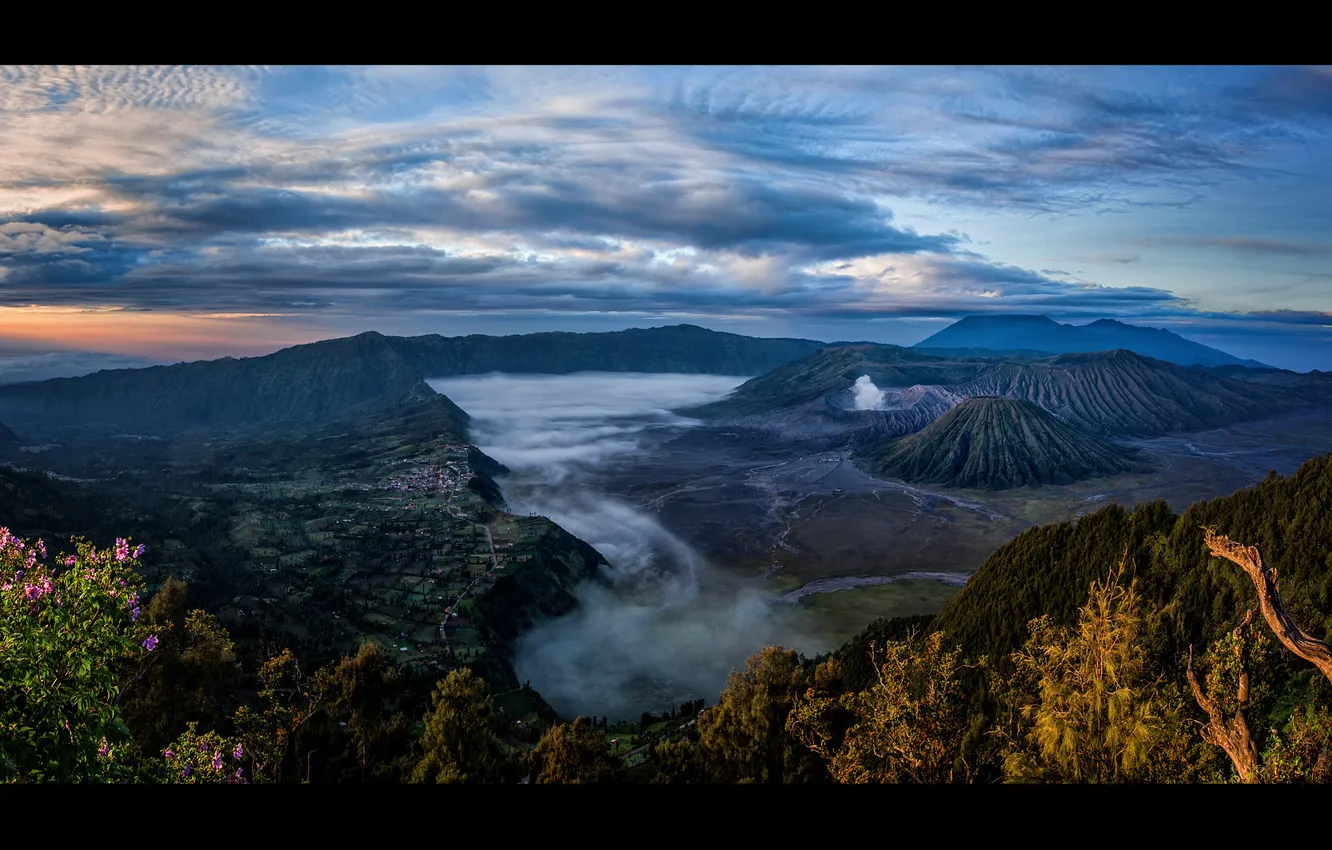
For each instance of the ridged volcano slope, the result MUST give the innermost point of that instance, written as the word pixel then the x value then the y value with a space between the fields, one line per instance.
pixel 835 370
pixel 996 444
pixel 1112 393
pixel 1124 394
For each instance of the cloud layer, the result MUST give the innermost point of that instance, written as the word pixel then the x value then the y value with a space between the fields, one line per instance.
pixel 670 627
pixel 337 193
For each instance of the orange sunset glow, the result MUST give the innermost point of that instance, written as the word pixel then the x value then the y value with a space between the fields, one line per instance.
pixel 160 335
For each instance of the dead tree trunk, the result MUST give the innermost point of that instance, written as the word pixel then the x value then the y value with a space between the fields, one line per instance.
pixel 1264 578
pixel 1230 734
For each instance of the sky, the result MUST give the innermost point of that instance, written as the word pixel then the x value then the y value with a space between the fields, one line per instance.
pixel 183 213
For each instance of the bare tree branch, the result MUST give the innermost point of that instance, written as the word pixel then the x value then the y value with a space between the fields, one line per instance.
pixel 1264 579
pixel 1231 735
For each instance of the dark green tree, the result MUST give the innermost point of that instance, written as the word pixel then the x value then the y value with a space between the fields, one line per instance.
pixel 1093 713
pixel 573 754
pixel 743 739
pixel 185 680
pixel 461 740
pixel 907 727
pixel 363 688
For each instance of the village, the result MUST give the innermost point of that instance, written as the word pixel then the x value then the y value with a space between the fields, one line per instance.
pixel 396 553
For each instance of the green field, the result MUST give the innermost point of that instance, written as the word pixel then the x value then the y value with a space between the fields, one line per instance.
pixel 840 615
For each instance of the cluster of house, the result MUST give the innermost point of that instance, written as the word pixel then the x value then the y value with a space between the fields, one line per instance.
pixel 430 479
pixel 421 567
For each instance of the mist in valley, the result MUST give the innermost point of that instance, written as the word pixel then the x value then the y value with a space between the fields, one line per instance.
pixel 671 626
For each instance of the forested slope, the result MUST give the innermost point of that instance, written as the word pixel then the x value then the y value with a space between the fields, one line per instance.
pixel 1193 597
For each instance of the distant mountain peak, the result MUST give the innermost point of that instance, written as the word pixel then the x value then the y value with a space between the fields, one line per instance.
pixel 1042 333
pixel 1006 319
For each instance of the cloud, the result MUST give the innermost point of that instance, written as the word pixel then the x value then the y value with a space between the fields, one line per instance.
pixel 16 368
pixel 103 89
pixel 1049 140
pixel 1111 259
pixel 758 192
pixel 1290 317
pixel 1252 245
pixel 527 424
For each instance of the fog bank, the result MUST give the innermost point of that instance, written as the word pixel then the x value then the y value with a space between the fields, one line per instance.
pixel 17 368
pixel 672 626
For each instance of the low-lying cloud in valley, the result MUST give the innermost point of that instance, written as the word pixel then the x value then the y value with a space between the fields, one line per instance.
pixel 17 368
pixel 671 626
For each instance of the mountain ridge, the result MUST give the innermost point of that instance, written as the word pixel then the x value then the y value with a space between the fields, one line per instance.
pixel 1116 393
pixel 1124 393
pixel 672 348
pixel 1044 333
pixel 293 385
pixel 308 382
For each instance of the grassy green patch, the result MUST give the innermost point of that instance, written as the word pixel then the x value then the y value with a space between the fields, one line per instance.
pixel 841 615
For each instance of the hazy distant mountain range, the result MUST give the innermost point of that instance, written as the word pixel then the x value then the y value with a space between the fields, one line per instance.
pixel 19 367
pixel 802 385
pixel 1035 334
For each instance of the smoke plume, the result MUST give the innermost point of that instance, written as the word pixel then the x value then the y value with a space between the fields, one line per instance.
pixel 868 396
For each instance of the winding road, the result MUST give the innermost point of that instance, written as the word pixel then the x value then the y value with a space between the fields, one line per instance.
pixel 494 563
